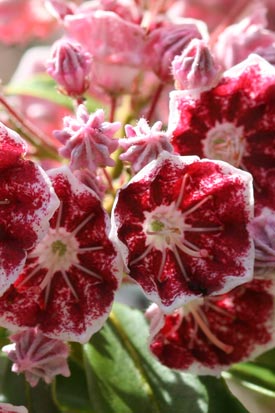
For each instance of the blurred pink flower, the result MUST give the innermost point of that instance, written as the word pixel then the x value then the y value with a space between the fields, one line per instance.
pixel 207 336
pixel 88 140
pixel 23 20
pixel 179 222
pixel 37 356
pixel 116 62
pixel 67 286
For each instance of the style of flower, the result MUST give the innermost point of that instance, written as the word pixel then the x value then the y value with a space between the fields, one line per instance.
pixel 27 204
pixel 262 229
pixel 67 286
pixel 179 222
pixel 143 144
pixel 9 408
pixel 88 140
pixel 234 122
pixel 37 356
pixel 208 335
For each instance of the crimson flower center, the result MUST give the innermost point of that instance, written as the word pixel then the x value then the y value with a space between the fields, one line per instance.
pixel 225 142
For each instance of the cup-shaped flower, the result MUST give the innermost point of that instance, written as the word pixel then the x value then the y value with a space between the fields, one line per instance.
pixel 70 66
pixel 37 356
pixel 27 203
pixel 181 224
pixel 208 335
pixel 143 144
pixel 67 286
pixel 9 408
pixel 233 121
pixel 88 140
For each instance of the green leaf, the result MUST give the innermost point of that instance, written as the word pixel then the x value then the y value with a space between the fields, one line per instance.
pixel 43 86
pixel 123 377
pixel 72 393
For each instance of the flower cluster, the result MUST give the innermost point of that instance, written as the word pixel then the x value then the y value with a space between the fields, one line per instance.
pixel 183 204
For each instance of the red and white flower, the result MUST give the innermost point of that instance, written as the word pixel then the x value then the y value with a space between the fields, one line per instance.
pixel 178 224
pixel 68 283
pixel 208 335
pixel 37 356
pixel 233 122
pixel 27 203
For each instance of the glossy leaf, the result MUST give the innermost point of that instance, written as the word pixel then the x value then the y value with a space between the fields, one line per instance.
pixel 123 376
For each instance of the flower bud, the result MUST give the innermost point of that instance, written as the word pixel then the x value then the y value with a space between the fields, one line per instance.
pixel 195 67
pixel 70 66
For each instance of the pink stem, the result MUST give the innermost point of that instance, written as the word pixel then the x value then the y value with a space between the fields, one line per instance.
pixel 154 102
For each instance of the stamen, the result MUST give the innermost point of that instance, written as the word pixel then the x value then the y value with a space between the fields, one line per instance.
pixel 59 215
pixel 69 284
pixel 182 188
pixel 47 279
pixel 180 264
pixel 204 229
pixel 189 251
pixel 211 337
pixel 160 277
pixel 91 249
pixel 197 206
pixel 92 273
pixel 82 224
pixel 143 255
pixel 34 271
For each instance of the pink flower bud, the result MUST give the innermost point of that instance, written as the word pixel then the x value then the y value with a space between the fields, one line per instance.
pixel 70 67
pixel 37 356
pixel 195 67
pixel 143 144
pixel 165 43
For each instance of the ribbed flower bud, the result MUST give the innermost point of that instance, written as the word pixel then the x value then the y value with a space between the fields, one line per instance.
pixel 195 68
pixel 70 66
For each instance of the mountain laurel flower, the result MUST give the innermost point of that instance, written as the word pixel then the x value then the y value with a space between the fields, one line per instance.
pixel 70 67
pixel 88 140
pixel 67 286
pixel 179 222
pixel 262 229
pixel 37 356
pixel 207 336
pixel 143 144
pixel 195 68
pixel 9 408
pixel 234 122
pixel 27 203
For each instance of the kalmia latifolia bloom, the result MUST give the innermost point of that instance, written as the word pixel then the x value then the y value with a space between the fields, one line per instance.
pixel 208 335
pixel 179 222
pixel 27 203
pixel 68 283
pixel 143 144
pixel 233 121
pixel 88 140
pixel 9 408
pixel 37 356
